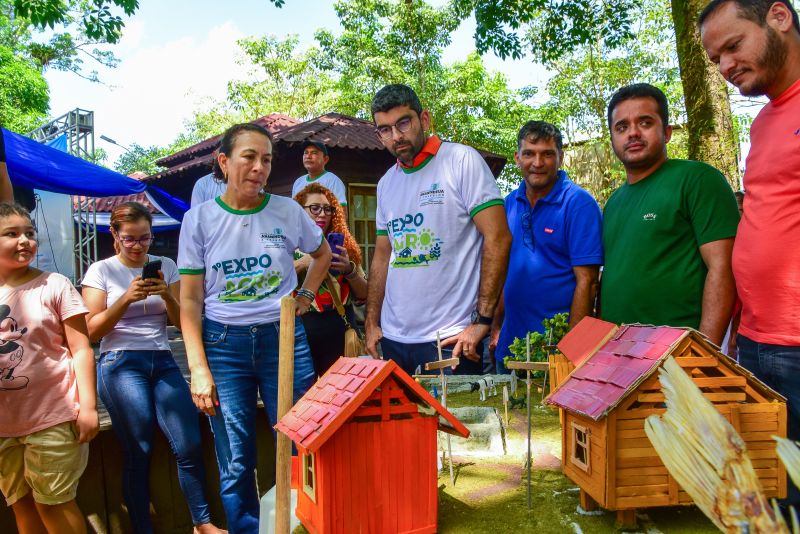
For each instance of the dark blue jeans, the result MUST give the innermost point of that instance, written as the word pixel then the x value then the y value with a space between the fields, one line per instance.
pixel 411 355
pixel 777 366
pixel 244 363
pixel 139 389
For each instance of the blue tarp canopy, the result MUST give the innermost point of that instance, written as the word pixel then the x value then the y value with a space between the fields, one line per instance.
pixel 38 166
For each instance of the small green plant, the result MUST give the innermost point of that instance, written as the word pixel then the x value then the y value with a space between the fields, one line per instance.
pixel 555 328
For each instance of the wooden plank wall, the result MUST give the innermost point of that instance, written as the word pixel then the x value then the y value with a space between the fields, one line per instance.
pixel 594 481
pixel 559 369
pixel 640 479
pixel 377 477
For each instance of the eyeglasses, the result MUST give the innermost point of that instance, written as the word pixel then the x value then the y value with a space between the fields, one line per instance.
pixel 403 125
pixel 128 241
pixel 527 231
pixel 316 209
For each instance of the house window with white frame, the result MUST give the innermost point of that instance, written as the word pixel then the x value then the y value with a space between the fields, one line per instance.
pixel 580 447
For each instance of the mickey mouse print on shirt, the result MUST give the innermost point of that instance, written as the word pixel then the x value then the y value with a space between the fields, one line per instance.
pixel 11 352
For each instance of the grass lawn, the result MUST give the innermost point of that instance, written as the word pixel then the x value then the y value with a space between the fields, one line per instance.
pixel 490 493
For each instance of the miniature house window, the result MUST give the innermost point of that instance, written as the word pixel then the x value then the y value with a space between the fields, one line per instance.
pixel 310 476
pixel 580 447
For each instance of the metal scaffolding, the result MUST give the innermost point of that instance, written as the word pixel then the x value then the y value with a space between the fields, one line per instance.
pixel 78 127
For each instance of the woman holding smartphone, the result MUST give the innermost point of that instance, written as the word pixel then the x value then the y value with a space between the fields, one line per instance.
pixel 324 326
pixel 130 296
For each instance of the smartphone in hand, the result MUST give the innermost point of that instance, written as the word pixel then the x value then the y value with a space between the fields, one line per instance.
pixel 335 240
pixel 150 269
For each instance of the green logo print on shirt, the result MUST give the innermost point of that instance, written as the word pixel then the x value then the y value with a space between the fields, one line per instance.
pixel 414 245
pixel 248 279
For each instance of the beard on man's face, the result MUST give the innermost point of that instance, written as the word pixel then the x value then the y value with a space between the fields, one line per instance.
pixel 770 62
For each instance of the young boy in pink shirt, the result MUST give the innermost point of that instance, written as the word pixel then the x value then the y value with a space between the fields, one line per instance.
pixel 47 385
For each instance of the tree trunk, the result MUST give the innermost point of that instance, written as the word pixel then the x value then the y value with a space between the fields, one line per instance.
pixel 708 109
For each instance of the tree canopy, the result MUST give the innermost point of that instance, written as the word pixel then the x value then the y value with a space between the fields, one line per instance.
pixel 382 41
pixel 94 17
pixel 36 35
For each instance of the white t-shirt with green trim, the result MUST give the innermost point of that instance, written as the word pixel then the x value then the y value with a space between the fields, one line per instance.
pixel 326 179
pixel 434 268
pixel 246 256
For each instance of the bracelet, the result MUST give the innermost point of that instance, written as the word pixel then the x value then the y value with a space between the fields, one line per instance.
pixel 307 293
pixel 353 271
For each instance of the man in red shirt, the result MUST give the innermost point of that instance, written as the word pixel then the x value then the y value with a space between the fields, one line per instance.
pixel 756 45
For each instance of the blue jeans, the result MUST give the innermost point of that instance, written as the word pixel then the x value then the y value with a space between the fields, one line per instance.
pixel 139 389
pixel 244 363
pixel 409 356
pixel 777 366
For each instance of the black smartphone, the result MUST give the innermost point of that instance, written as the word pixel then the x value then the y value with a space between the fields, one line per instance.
pixel 150 269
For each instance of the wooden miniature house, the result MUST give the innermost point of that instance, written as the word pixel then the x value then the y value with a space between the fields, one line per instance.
pixel 615 386
pixel 366 436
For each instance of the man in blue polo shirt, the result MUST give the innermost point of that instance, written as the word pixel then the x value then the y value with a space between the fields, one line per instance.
pixel 557 246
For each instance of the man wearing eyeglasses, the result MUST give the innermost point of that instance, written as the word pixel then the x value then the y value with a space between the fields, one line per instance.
pixel 668 230
pixel 315 157
pixel 557 246
pixel 442 244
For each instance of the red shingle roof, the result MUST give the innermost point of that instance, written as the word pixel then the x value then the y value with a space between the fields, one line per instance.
pixel 619 366
pixel 341 391
pixel 334 130
pixel 273 122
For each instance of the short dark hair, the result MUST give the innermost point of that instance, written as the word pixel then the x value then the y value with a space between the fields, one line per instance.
pixel 640 90
pixel 394 95
pixel 540 130
pixel 7 209
pixel 229 139
pixel 752 10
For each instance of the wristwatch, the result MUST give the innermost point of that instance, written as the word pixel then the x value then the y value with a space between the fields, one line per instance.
pixel 477 318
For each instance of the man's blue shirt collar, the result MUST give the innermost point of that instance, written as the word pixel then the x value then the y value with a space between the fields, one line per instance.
pixel 555 196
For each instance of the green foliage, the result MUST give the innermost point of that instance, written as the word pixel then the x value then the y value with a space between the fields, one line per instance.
pixel 94 17
pixel 70 44
pixel 555 328
pixel 565 24
pixel 142 159
pixel 382 41
pixel 584 80
pixel 24 95
pixel 283 80
pixel 386 41
pixel 79 27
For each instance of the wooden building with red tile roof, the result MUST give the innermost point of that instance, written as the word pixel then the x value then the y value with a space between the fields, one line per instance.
pixel 615 387
pixel 366 434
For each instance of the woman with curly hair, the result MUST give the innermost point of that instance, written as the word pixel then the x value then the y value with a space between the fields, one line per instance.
pixel 324 326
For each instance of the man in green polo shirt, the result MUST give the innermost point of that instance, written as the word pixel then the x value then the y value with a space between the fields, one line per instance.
pixel 668 230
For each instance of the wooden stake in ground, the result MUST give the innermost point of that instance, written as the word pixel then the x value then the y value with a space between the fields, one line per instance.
pixel 440 365
pixel 283 468
pixel 505 402
pixel 528 366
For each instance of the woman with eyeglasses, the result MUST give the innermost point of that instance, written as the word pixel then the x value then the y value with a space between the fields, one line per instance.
pixel 137 378
pixel 324 326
